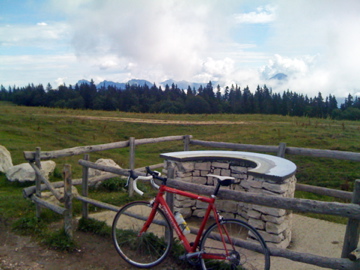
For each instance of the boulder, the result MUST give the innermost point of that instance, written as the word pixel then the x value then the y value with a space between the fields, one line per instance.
pixel 49 197
pixel 105 162
pixel 24 172
pixel 5 159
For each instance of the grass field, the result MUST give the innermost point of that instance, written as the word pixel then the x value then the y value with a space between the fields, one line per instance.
pixel 25 128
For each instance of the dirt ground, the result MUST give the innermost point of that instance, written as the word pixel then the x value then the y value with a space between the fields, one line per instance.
pixel 97 253
pixel 94 253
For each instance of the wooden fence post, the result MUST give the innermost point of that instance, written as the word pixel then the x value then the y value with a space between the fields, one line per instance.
pixel 170 196
pixel 281 150
pixel 186 142
pixel 85 188
pixel 351 239
pixel 68 200
pixel 131 163
pixel 38 181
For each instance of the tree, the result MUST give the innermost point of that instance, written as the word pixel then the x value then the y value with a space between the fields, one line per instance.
pixel 197 104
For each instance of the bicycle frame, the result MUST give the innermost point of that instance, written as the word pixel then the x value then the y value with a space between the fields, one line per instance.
pixel 159 201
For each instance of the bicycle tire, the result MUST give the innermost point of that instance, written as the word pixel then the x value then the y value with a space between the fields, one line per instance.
pixel 148 249
pixel 240 257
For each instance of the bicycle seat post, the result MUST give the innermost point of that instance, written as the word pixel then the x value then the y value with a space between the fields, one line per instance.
pixel 216 191
pixel 221 181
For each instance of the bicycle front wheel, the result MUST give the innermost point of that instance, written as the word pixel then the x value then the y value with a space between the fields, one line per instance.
pixel 151 247
pixel 233 245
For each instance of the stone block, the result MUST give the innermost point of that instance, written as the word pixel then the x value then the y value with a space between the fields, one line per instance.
pixel 255 183
pixel 238 169
pixel 256 223
pixel 269 210
pixel 254 214
pixel 245 184
pixel 276 220
pixel 185 166
pixel 276 228
pixel 217 171
pixel 204 166
pixel 275 187
pixel 221 165
pixel 274 238
pixel 225 172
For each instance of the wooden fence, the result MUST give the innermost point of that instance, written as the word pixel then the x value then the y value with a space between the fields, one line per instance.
pixel 350 254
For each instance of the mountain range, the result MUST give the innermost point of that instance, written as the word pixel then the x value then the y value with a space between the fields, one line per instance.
pixel 180 84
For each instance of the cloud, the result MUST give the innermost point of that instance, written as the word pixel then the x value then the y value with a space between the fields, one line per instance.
pixel 171 36
pixel 263 14
pixel 317 42
pixel 292 67
pixel 168 34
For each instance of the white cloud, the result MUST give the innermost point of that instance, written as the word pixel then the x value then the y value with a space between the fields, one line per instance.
pixel 218 68
pixel 292 67
pixel 263 14
pixel 171 36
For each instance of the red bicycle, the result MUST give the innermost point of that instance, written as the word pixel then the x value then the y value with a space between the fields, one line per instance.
pixel 142 232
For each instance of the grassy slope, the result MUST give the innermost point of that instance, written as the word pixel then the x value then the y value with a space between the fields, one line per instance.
pixel 25 128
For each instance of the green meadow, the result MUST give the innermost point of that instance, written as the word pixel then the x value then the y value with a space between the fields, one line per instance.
pixel 25 128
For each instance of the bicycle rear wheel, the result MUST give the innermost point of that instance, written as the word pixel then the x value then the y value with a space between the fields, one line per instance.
pixel 244 248
pixel 145 250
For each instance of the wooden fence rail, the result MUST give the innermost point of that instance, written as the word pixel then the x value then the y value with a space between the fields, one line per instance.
pixel 30 155
pixel 345 155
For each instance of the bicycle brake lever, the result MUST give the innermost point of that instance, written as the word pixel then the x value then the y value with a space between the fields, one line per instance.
pixel 127 181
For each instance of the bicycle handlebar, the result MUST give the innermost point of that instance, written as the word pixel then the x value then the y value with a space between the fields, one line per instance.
pixel 153 174
pixel 156 175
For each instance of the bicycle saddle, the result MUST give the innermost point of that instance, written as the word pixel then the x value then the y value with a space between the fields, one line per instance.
pixel 223 180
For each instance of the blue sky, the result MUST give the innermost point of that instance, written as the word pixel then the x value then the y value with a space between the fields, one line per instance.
pixel 240 42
